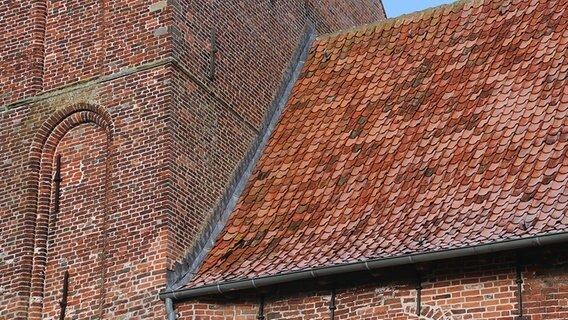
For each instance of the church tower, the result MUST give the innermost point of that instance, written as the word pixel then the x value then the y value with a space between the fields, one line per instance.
pixel 124 124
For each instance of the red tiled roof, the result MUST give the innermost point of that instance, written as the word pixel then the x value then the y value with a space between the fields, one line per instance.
pixel 439 130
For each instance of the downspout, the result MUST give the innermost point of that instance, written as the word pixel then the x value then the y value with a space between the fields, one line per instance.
pixel 260 308
pixel 519 282
pixel 418 294
pixel 332 306
pixel 170 309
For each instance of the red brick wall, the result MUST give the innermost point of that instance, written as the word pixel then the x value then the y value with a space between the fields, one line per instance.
pixel 134 32
pixel 481 288
pixel 75 74
pixel 50 44
pixel 21 49
pixel 71 52
pixel 120 251
pixel 208 141
pixel 256 40
pixel 219 311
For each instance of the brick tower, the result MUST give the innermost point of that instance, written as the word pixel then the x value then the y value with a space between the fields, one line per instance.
pixel 123 125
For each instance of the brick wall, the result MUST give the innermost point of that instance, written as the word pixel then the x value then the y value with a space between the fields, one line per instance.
pixel 21 49
pixel 47 45
pixel 148 142
pixel 71 52
pixel 208 141
pixel 255 41
pixel 480 288
pixel 75 237
pixel 111 231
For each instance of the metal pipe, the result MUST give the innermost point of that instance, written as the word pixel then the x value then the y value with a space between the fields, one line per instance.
pixel 418 294
pixel 373 264
pixel 519 289
pixel 170 309
pixel 57 179
pixel 260 308
pixel 65 292
pixel 332 305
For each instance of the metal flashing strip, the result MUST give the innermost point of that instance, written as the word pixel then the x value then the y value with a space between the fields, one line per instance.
pixel 186 270
pixel 233 286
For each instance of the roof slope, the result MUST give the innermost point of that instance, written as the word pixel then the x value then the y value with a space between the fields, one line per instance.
pixel 439 130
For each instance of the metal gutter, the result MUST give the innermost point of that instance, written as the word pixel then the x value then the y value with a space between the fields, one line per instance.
pixel 232 286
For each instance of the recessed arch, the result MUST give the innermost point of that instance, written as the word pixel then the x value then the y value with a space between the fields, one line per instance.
pixel 42 156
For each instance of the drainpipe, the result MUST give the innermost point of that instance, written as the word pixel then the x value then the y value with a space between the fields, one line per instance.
pixel 332 306
pixel 519 289
pixel 418 294
pixel 170 309
pixel 260 308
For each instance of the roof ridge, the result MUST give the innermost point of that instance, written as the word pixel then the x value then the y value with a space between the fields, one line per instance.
pixel 403 19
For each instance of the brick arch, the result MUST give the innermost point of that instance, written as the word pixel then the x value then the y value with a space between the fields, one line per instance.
pixel 90 113
pixel 42 157
pixel 429 312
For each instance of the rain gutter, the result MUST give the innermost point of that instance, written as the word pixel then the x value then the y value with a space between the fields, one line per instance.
pixel 232 286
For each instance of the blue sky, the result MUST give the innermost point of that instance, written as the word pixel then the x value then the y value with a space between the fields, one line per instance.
pixel 397 7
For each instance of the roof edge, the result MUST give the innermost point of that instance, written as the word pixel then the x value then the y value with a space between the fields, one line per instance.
pixel 187 269
pixel 404 19
pixel 233 286
pixel 383 9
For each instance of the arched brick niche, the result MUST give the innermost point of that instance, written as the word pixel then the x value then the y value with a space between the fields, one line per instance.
pixel 70 218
